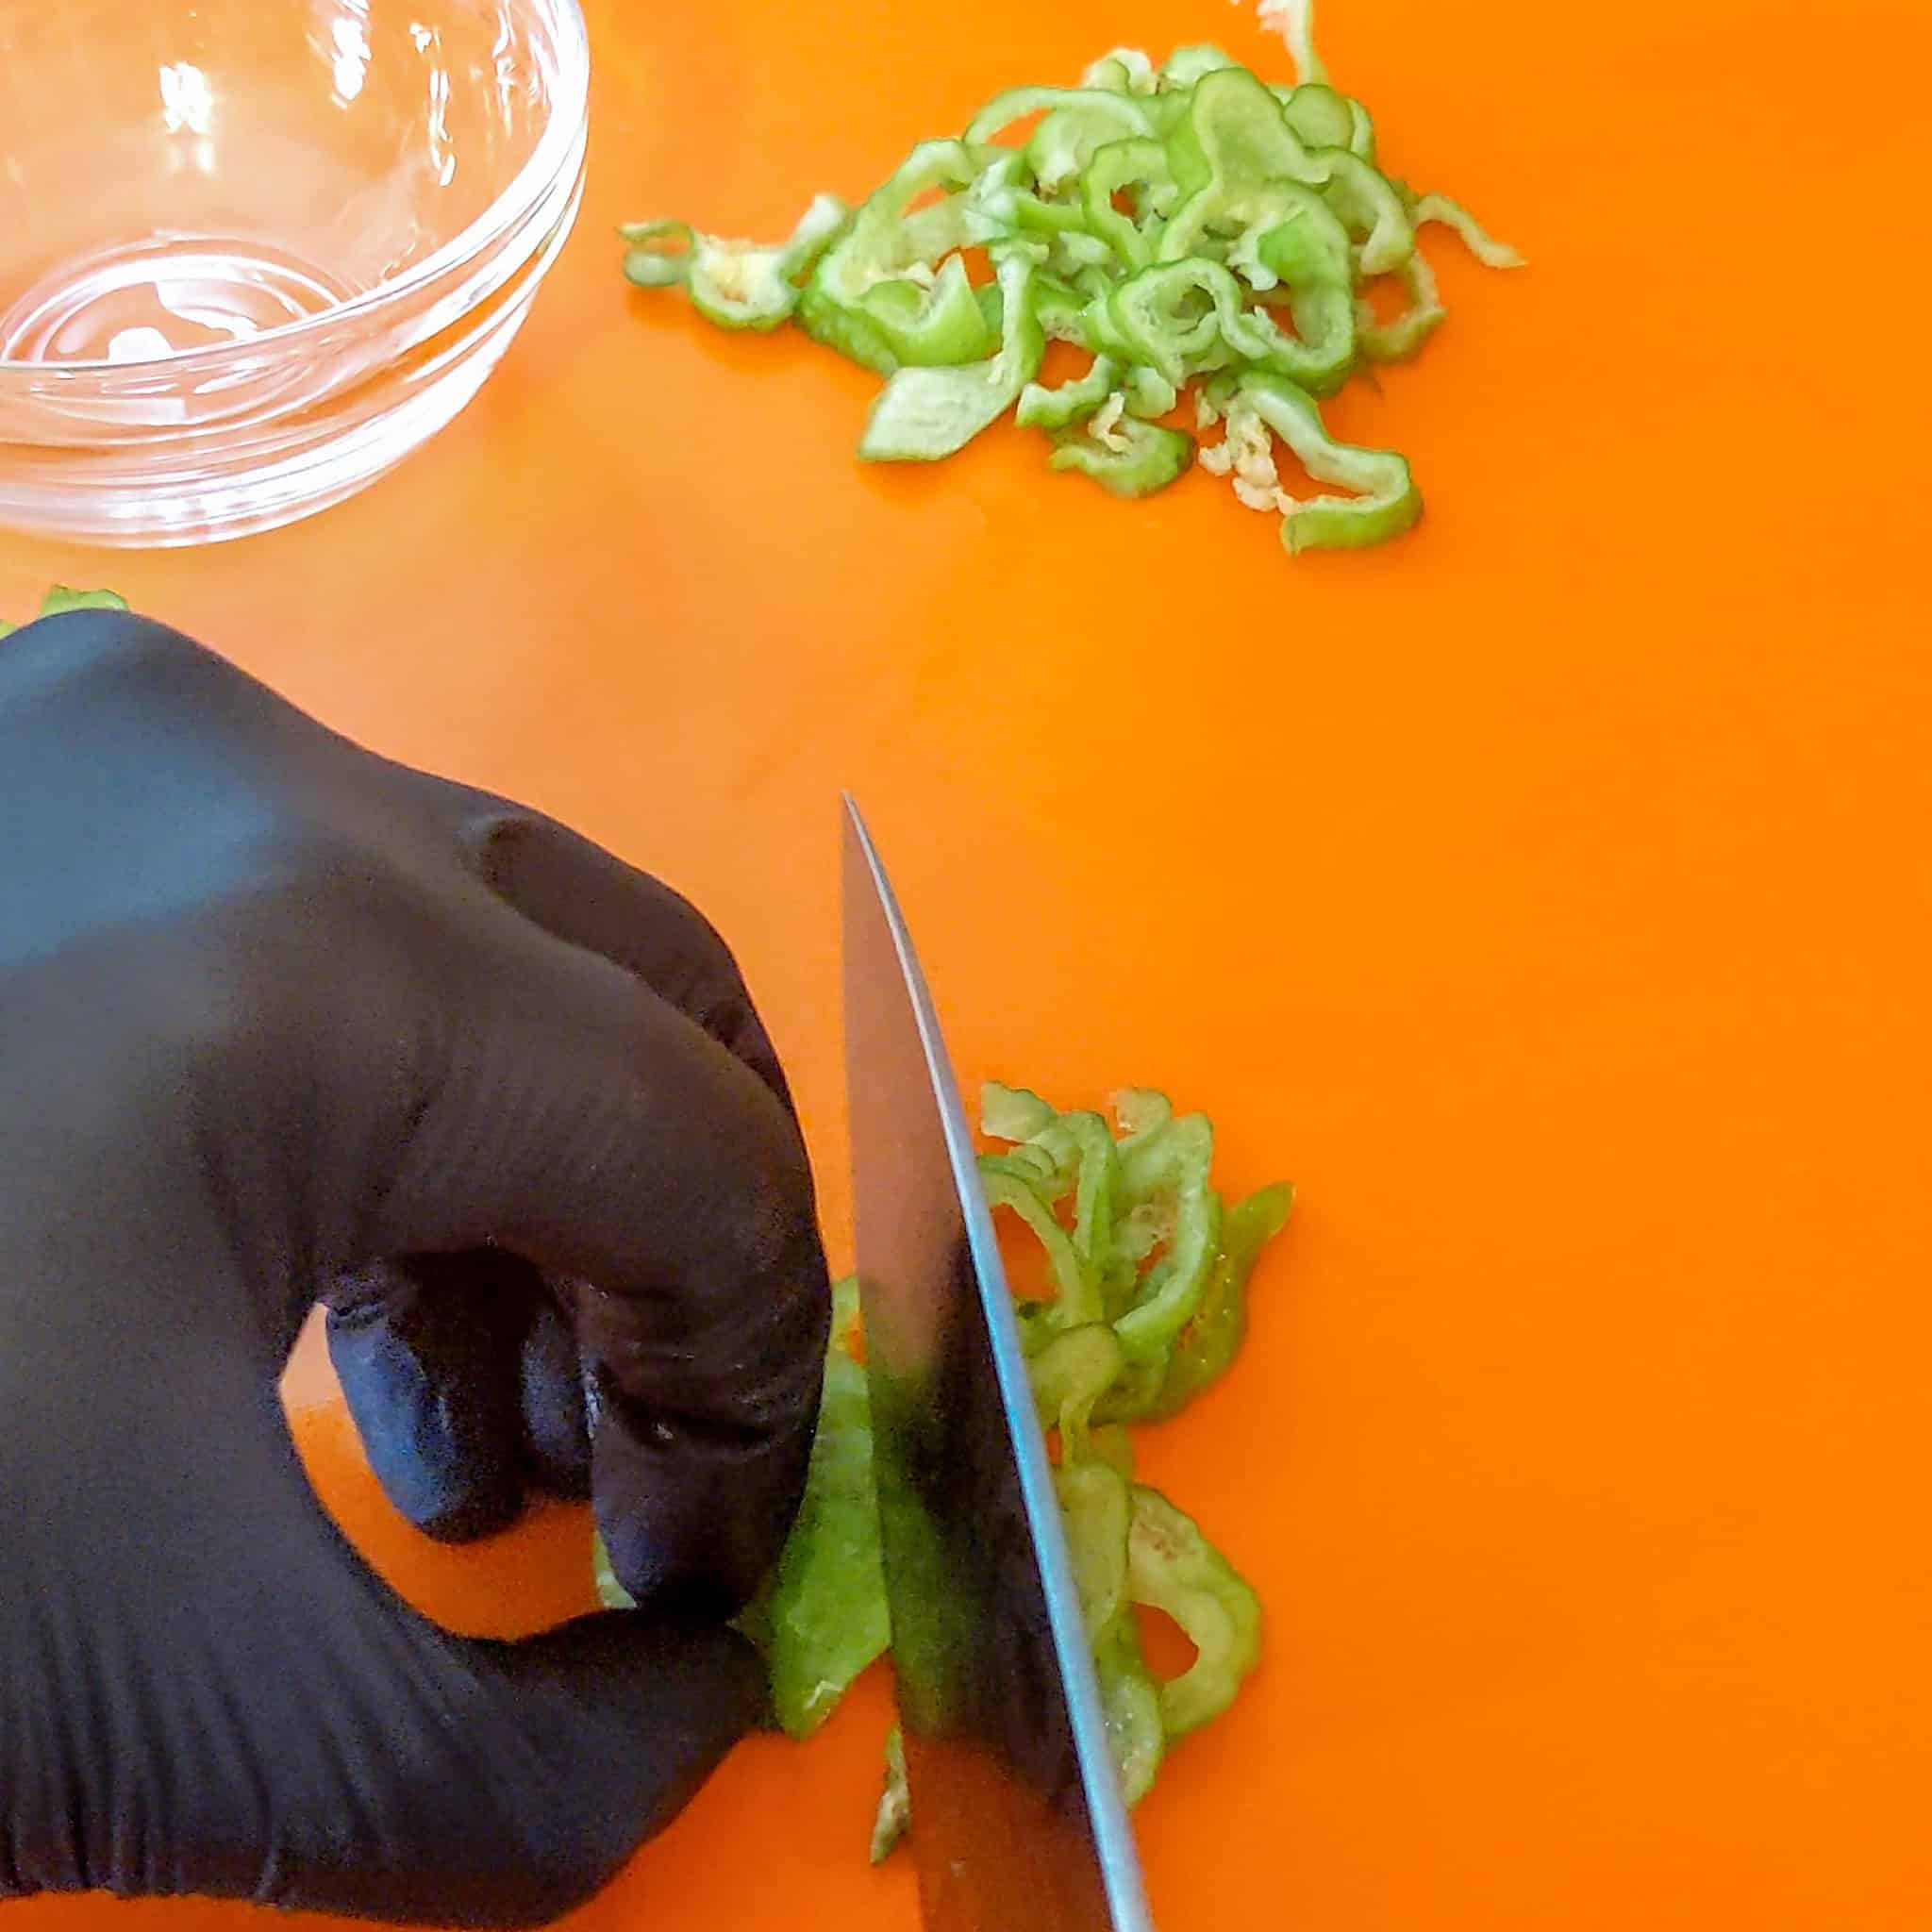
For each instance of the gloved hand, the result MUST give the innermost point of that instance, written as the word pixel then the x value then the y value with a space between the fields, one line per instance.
pixel 281 1019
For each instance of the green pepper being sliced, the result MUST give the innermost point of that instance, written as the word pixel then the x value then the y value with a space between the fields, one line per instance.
pixel 827 1614
pixel 1096 1511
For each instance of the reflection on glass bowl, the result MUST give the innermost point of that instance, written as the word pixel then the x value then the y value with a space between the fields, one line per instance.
pixel 254 252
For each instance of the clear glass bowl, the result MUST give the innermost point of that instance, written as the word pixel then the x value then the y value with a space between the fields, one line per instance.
pixel 254 252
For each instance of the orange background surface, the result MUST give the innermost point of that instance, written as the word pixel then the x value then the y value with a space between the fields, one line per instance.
pixel 1546 894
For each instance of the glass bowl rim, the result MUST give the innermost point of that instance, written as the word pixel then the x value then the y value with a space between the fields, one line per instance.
pixel 524 192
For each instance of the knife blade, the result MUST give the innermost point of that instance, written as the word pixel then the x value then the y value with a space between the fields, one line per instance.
pixel 1018 1824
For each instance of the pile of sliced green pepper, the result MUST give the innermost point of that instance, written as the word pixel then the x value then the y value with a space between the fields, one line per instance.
pixel 1185 225
pixel 1149 1306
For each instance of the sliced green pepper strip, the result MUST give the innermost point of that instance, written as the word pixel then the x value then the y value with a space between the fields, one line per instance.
pixel 1232 138
pixel 1169 316
pixel 1073 251
pixel 1294 21
pixel 1141 1112
pixel 1388 503
pixel 1172 1567
pixel 1318 113
pixel 1060 310
pixel 1069 1376
pixel 924 414
pixel 1032 1167
pixel 1130 1707
pixel 935 326
pixel 880 245
pixel 1119 111
pixel 659 253
pixel 939 228
pixel 1073 1148
pixel 1176 1163
pixel 1096 1509
pixel 1475 238
pixel 893 1817
pixel 1210 1342
pixel 1120 164
pixel 1187 65
pixel 1002 205
pixel 1135 458
pixel 1294 241
pixel 1123 71
pixel 1143 1229
pixel 1074 1303
pixel 1370 208
pixel 1395 340
pixel 1013 1114
pixel 1114 1445
pixel 1079 1143
pixel 1069 402
pixel 827 1613
pixel 1361 133
pixel 751 285
pixel 1148 392
pixel 1064 143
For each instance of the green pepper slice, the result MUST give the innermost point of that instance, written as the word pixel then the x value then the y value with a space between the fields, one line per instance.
pixel 1207 1346
pixel 1388 503
pixel 1172 1567
pixel 924 414
pixel 1134 459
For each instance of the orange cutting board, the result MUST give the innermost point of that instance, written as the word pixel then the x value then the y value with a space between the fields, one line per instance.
pixel 1544 893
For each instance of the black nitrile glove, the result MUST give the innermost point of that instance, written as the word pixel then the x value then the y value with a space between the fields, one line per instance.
pixel 279 1020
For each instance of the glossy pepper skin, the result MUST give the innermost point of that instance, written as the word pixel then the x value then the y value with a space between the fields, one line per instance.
pixel 281 1020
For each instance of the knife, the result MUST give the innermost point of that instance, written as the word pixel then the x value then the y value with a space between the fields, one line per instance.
pixel 1018 1824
